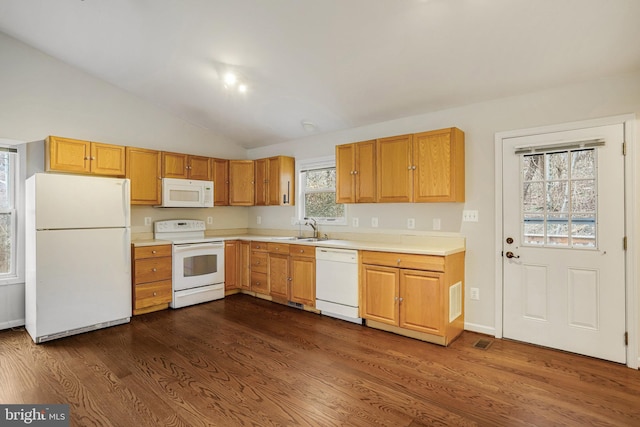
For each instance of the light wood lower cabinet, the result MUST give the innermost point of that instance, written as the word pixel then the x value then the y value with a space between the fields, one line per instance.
pixel 416 295
pixel 231 265
pixel 244 261
pixel 292 273
pixel 259 268
pixel 303 274
pixel 151 278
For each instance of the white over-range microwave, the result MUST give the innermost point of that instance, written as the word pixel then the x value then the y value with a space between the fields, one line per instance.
pixel 186 193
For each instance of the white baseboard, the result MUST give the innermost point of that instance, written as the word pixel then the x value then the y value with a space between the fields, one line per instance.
pixel 11 324
pixel 481 329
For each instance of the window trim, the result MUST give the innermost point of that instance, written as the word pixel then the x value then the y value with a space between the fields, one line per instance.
pixel 20 177
pixel 314 163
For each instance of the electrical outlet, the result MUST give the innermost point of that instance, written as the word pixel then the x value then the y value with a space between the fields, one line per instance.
pixel 258 219
pixel 475 294
pixel 209 220
pixel 470 216
pixel 411 223
pixel 355 222
pixel 374 222
pixel 436 224
pixel 147 220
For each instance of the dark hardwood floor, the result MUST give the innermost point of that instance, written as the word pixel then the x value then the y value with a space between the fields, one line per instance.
pixel 245 361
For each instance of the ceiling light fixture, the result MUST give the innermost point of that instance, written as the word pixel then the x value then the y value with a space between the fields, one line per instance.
pixel 232 80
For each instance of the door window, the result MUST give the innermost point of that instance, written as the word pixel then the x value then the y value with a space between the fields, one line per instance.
pixel 559 199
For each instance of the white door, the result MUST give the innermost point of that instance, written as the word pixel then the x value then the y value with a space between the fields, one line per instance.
pixel 563 231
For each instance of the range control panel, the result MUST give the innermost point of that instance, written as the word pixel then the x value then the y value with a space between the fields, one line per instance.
pixel 179 225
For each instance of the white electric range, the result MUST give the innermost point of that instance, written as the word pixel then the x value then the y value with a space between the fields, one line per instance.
pixel 198 261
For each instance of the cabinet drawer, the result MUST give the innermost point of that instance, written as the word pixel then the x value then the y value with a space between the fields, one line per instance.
pixel 259 246
pixel 278 248
pixel 259 262
pixel 302 251
pixel 412 261
pixel 140 252
pixel 151 294
pixel 152 270
pixel 259 282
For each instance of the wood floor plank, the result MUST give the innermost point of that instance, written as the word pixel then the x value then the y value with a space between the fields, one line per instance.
pixel 246 361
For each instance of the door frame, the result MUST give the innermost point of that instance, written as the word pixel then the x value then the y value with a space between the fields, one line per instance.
pixel 631 211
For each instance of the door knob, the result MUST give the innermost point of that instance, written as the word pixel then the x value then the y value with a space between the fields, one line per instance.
pixel 511 255
pixel 509 240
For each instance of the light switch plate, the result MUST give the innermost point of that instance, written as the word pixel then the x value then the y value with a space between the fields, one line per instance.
pixel 411 223
pixel 436 224
pixel 147 220
pixel 355 222
pixel 374 222
pixel 470 216
pixel 258 219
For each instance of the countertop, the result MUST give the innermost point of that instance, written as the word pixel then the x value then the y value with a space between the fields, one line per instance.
pixel 439 246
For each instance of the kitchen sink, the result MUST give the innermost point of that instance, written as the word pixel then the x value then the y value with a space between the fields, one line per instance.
pixel 299 239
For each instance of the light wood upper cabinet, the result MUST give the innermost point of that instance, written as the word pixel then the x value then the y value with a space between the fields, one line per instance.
pixel 281 181
pixel 423 167
pixel 394 169
pixel 200 168
pixel 220 175
pixel 439 160
pixel 261 171
pixel 356 172
pixel 275 181
pixel 77 156
pixel 143 168
pixel 241 182
pixel 178 165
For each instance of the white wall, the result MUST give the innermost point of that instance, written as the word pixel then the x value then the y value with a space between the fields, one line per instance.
pixel 480 122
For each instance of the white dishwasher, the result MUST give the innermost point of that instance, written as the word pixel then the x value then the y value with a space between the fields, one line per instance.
pixel 337 283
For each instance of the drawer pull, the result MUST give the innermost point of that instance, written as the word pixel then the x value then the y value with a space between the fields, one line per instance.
pixel 155 294
pixel 398 261
pixel 154 252
pixel 154 269
pixel 301 251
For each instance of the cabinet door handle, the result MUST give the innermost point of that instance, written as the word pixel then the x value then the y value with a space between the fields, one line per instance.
pixel 401 299
pixel 355 172
pixel 93 158
pixel 395 298
pixel 87 158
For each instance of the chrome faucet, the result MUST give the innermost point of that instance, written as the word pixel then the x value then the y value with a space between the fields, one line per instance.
pixel 313 225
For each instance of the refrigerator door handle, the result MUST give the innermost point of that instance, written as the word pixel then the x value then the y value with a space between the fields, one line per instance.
pixel 126 202
pixel 127 247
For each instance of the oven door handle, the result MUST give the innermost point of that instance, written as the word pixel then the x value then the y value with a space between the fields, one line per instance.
pixel 191 246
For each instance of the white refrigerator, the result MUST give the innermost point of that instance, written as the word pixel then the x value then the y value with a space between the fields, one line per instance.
pixel 78 256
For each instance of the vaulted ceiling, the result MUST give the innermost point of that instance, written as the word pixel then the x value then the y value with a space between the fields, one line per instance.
pixel 334 63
